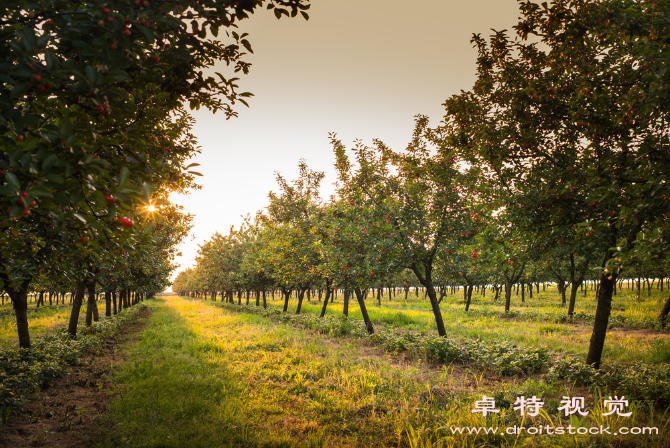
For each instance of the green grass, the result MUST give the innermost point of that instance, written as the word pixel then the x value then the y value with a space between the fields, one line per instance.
pixel 41 321
pixel 204 376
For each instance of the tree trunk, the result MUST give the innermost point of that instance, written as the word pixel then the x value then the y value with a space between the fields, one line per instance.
pixel 301 295
pixel 76 308
pixel 468 298
pixel 364 311
pixel 345 306
pixel 265 303
pixel 603 311
pixel 108 303
pixel 508 296
pixel 665 311
pixel 114 302
pixel 573 298
pixel 286 294
pixel 19 298
pixel 325 300
pixel 91 305
pixel 427 281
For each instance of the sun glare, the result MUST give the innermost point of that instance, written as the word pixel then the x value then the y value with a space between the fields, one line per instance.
pixel 151 208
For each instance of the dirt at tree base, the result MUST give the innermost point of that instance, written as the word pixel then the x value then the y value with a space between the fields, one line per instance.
pixel 67 412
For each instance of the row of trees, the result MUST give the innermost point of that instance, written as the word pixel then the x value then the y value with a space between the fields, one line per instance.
pixel 555 162
pixel 94 134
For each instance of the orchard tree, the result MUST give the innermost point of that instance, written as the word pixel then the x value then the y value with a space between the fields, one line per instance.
pixel 576 105
pixel 421 195
pixel 289 234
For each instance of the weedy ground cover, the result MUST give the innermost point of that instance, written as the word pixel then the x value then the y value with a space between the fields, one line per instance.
pixel 636 333
pixel 23 371
pixel 205 375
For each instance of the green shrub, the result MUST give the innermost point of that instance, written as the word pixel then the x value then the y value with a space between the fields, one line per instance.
pixel 636 381
pixel 573 370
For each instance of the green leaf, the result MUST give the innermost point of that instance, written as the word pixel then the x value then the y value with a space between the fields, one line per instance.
pixel 15 210
pixel 56 178
pixel 147 32
pixel 52 59
pixel 90 74
pixel 66 128
pixel 118 75
pixel 40 191
pixel 194 173
pixel 76 196
pixel 146 192
pixel 245 43
pixel 123 176
pixel 149 228
pixel 62 199
pixel 13 181
pixel 79 217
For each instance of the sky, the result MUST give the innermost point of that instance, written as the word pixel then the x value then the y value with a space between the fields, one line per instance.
pixel 362 69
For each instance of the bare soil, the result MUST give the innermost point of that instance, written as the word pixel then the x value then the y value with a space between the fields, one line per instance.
pixel 67 412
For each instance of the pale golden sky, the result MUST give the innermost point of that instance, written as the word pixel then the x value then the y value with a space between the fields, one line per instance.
pixel 360 68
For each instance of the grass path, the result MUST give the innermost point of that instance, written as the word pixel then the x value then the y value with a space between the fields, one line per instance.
pixel 203 378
